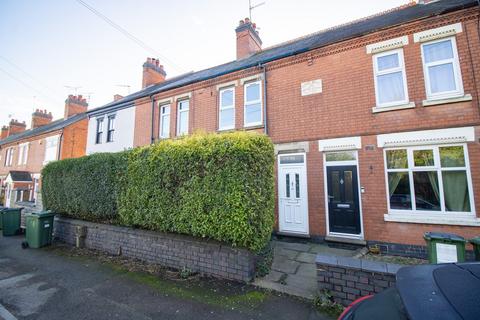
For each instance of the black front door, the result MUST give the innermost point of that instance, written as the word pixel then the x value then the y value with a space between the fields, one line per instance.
pixel 343 204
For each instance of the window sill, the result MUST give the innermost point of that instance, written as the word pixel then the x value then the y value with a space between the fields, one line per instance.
pixel 377 109
pixel 253 127
pixel 432 219
pixel 428 103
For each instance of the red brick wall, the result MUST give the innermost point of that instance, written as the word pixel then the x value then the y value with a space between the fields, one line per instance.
pixel 74 141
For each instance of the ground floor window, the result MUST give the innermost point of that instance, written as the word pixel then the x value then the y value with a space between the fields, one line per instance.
pixel 429 179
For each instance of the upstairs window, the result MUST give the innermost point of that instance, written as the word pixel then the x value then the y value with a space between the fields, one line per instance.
pixel 390 79
pixel 22 154
pixel 441 69
pixel 111 128
pixel 182 118
pixel 253 104
pixel 99 134
pixel 226 116
pixel 165 121
pixel 9 157
pixel 51 149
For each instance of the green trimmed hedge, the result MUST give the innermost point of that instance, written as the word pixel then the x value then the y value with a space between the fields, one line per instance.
pixel 217 186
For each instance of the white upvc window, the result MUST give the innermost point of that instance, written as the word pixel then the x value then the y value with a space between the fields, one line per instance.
pixel 253 114
pixel 226 110
pixel 110 128
pixel 23 154
pixel 429 180
pixel 441 68
pixel 390 78
pixel 9 157
pixel 99 132
pixel 51 149
pixel 165 121
pixel 183 107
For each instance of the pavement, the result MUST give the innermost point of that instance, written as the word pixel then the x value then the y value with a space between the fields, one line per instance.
pixel 294 271
pixel 49 284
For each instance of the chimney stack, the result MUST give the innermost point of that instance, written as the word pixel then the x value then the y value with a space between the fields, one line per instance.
pixel 16 126
pixel 248 40
pixel 41 118
pixel 117 97
pixel 75 105
pixel 153 72
pixel 4 132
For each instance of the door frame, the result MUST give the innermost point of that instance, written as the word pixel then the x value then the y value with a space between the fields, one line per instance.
pixel 355 163
pixel 307 222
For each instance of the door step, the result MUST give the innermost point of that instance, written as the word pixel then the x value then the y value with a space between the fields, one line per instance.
pixel 292 234
pixel 357 242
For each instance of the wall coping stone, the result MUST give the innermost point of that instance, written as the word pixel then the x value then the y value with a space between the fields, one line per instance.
pixel 359 264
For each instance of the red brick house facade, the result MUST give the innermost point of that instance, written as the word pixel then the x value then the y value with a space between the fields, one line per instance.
pixel 23 153
pixel 376 122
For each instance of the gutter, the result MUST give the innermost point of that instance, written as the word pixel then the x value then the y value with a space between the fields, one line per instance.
pixel 152 138
pixel 60 139
pixel 264 80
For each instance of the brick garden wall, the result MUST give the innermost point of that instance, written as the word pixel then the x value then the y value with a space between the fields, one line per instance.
pixel 170 250
pixel 348 279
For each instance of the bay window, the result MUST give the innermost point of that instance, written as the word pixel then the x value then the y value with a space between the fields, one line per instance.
pixel 429 179
pixel 253 104
pixel 442 69
pixel 390 78
pixel 226 110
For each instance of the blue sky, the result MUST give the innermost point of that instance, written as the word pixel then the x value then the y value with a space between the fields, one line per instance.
pixel 49 44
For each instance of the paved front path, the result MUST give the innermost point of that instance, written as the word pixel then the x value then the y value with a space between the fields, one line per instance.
pixel 53 284
pixel 294 270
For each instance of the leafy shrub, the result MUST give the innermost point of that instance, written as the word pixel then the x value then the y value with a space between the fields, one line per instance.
pixel 87 188
pixel 218 186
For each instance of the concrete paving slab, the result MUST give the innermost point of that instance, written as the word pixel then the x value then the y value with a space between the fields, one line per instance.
pixel 308 284
pixel 274 276
pixel 306 257
pixel 302 247
pixel 290 254
pixel 323 248
pixel 307 270
pixel 285 265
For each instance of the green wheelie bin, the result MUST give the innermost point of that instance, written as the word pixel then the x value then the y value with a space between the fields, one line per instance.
pixel 445 247
pixel 476 247
pixel 11 221
pixel 1 210
pixel 39 229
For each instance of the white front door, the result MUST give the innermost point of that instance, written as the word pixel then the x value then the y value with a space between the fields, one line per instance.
pixel 8 194
pixel 292 194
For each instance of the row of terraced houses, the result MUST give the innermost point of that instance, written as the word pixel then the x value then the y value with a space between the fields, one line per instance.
pixel 376 124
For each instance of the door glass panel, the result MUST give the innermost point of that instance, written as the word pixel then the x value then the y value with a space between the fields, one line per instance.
pixel 287 185
pixel 399 190
pixel 340 156
pixel 455 189
pixel 336 186
pixel 291 159
pixel 297 185
pixel 452 157
pixel 427 196
pixel 348 185
pixel 423 158
pixel 397 159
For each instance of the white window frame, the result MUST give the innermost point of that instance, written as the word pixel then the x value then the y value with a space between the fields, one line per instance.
pixel 48 141
pixel 163 116
pixel 23 153
pixel 248 103
pixel 456 70
pixel 400 68
pixel 179 113
pixel 442 214
pixel 99 129
pixel 9 157
pixel 221 108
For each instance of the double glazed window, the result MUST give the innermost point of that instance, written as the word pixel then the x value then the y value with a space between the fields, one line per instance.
pixel 9 157
pixel 253 104
pixel 99 133
pixel 182 117
pixel 111 128
pixel 429 179
pixel 441 69
pixel 22 154
pixel 390 79
pixel 51 149
pixel 165 121
pixel 226 117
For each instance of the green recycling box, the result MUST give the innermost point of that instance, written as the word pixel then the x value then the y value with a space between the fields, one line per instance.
pixel 476 247
pixel 445 247
pixel 10 221
pixel 39 229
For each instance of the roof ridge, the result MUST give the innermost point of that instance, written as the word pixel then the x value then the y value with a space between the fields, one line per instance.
pixel 398 8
